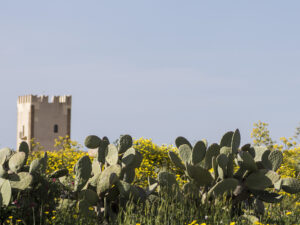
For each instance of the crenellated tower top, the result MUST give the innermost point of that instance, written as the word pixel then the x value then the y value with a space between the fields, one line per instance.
pixel 66 99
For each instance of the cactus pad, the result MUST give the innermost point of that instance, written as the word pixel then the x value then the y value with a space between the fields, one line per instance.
pixel 222 161
pixel 267 196
pixel 167 179
pixel 225 186
pixel 226 139
pixel 17 161
pixel 260 151
pixel 125 143
pixel 127 191
pixel 291 185
pixel 230 168
pixel 215 167
pixel 21 180
pixel 37 165
pixel 200 175
pixel 23 147
pixel 205 142
pixel 198 152
pixel 226 150
pixel 90 196
pixel 246 161
pixel 278 184
pixel 92 141
pixel 129 175
pixel 128 157
pixel 96 168
pixel 261 179
pixel 5 191
pixel 5 153
pixel 185 153
pixel 222 172
pixel 112 155
pixel 59 173
pixel 83 169
pixel 176 160
pixel 181 141
pixel 137 160
pixel 236 141
pixel 276 159
pixel 213 150
pixel 107 178
pixel 102 149
pixel 3 172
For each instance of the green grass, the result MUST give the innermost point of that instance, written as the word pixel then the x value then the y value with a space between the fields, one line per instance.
pixel 171 210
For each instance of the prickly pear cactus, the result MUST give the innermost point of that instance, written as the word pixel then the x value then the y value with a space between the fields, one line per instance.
pixel 261 179
pixel 276 158
pixel 198 152
pixel 5 191
pixel 24 148
pixel 210 171
pixel 224 186
pixel 176 160
pixel 21 180
pixel 199 175
pixel 236 141
pixel 125 142
pixel 107 178
pixel 181 141
pixel 213 150
pixel 17 161
pixel 5 154
pixel 185 152
pixel 112 156
pixel 291 185
pixel 82 169
pixel 92 141
pixel 38 166
pixel 167 179
pixel 59 173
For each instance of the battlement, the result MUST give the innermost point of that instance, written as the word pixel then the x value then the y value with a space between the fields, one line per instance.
pixel 65 99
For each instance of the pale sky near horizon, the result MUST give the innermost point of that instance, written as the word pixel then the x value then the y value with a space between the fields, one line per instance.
pixel 156 69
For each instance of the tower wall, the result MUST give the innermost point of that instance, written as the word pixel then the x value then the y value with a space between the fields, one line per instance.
pixel 42 119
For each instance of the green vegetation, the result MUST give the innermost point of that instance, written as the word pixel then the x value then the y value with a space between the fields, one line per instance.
pixel 138 182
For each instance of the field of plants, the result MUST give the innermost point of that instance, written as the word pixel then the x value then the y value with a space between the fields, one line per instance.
pixel 134 181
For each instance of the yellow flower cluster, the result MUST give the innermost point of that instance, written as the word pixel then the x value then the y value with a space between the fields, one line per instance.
pixel 154 158
pixel 261 135
pixel 68 154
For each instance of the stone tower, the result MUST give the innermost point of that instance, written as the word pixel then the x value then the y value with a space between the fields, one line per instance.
pixel 43 120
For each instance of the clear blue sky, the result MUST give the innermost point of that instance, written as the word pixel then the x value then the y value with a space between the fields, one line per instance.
pixel 156 69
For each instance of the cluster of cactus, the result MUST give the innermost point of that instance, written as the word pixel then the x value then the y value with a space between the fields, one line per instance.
pixel 107 182
pixel 26 186
pixel 245 174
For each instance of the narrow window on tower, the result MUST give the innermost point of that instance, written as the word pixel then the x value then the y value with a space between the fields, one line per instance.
pixel 55 128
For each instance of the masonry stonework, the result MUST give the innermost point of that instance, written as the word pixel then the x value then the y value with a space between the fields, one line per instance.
pixel 42 119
